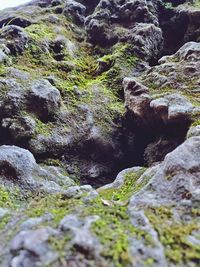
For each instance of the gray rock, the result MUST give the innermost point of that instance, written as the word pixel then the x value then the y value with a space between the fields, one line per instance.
pixel 177 72
pixel 82 238
pixel 119 181
pixel 75 10
pixel 142 250
pixel 173 107
pixel 175 181
pixel 20 128
pixel 147 40
pixel 32 247
pixel 4 58
pixel 18 167
pixel 46 97
pixel 194 131
pixel 13 100
pixel 168 108
pixel 15 38
pixel 32 222
pixel 137 98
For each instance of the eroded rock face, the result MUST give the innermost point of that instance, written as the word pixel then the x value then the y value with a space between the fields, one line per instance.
pixel 84 95
pixel 14 38
pixel 108 24
pixel 47 97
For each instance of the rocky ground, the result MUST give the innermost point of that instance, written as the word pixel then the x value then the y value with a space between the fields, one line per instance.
pixel 100 134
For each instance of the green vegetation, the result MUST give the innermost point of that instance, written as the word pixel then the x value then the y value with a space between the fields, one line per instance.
pixel 173 235
pixel 130 186
pixel 43 128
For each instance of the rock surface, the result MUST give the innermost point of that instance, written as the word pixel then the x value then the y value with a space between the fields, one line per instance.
pixel 100 134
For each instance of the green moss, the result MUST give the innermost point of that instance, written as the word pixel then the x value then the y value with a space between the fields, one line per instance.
pixel 39 32
pixel 129 187
pixel 173 235
pixel 124 61
pixel 54 204
pixel 43 128
pixel 10 198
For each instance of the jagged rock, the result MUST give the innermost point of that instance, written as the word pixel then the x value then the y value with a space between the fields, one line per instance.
pixel 21 128
pixel 75 10
pixel 137 98
pixel 54 143
pixel 101 28
pixel 30 248
pixel 46 97
pixel 82 238
pixel 147 40
pixel 18 167
pixel 175 180
pixel 191 17
pixel 173 107
pixel 13 100
pixel 177 72
pixel 14 38
pixel 156 151
pixel 140 250
pixel 87 131
pixel 4 55
pixel 14 20
pixel 170 107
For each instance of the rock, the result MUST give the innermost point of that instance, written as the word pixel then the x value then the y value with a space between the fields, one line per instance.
pixel 20 128
pixel 33 222
pixel 147 40
pixel 55 143
pixel 14 38
pixel 156 151
pixel 13 99
pixel 194 131
pixel 177 72
pixel 4 55
pixel 137 98
pixel 19 168
pixel 175 180
pixel 170 107
pixel 141 250
pixel 31 247
pixel 14 20
pixel 120 179
pixel 101 27
pixel 47 97
pixel 173 107
pixel 82 238
pixel 75 10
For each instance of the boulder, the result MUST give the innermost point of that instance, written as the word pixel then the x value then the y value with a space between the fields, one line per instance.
pixel 20 128
pixel 31 246
pixel 45 99
pixel 19 168
pixel 175 181
pixel 15 38
pixel 75 10
pixel 179 71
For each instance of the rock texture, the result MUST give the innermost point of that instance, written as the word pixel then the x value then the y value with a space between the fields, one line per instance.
pixel 100 134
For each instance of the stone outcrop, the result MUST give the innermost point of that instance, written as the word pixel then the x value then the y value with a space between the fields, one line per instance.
pixel 99 134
